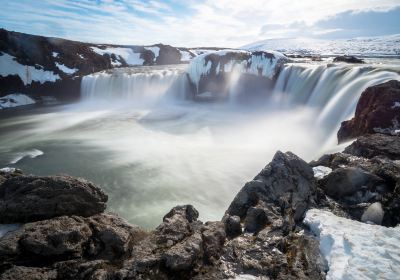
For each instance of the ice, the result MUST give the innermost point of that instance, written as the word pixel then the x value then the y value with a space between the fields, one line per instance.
pixel 15 100
pixel 355 250
pixel 130 57
pixel 9 66
pixel 66 69
pixel 321 171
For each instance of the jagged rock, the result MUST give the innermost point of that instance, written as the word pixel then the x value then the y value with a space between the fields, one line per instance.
pixel 287 182
pixel 29 273
pixel 378 110
pixel 373 145
pixel 255 220
pixel 213 236
pixel 347 180
pixel 176 224
pixel 348 59
pixel 373 214
pixel 32 198
pixel 233 227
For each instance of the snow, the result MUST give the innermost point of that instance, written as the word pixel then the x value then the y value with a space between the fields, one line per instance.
pixel 155 50
pixel 355 250
pixel 259 64
pixel 81 56
pixel 396 105
pixel 9 66
pixel 321 171
pixel 5 228
pixel 66 69
pixel 247 277
pixel 55 54
pixel 185 55
pixel 364 46
pixel 15 100
pixel 8 169
pixel 130 57
pixel 29 153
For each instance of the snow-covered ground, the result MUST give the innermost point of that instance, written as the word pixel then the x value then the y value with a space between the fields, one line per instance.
pixel 9 66
pixel 321 171
pixel 15 100
pixel 66 69
pixel 155 50
pixel 369 46
pixel 130 57
pixel 355 250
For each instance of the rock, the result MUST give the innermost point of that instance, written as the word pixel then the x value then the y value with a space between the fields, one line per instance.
pixel 232 224
pixel 213 236
pixel 32 198
pixel 373 214
pixel 29 273
pixel 348 59
pixel 373 145
pixel 177 224
pixel 255 220
pixel 378 110
pixel 287 182
pixel 347 180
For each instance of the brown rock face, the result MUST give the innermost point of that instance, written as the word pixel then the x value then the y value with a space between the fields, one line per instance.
pixel 32 198
pixel 378 110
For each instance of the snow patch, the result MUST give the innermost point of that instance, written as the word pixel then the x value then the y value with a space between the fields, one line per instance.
pixel 185 55
pixel 355 250
pixel 55 54
pixel 81 56
pixel 29 153
pixel 321 171
pixel 8 169
pixel 66 69
pixel 5 228
pixel 9 66
pixel 130 57
pixel 155 50
pixel 15 100
pixel 396 105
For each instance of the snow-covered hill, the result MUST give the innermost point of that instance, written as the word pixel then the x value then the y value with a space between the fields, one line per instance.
pixel 366 46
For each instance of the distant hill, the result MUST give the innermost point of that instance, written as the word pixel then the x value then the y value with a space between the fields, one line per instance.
pixel 363 46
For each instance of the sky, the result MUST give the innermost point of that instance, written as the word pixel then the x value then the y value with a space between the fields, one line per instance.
pixel 190 23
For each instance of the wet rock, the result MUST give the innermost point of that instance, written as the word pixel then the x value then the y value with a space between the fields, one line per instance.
pixel 348 59
pixel 32 198
pixel 373 145
pixel 378 110
pixel 29 273
pixel 373 214
pixel 347 180
pixel 233 227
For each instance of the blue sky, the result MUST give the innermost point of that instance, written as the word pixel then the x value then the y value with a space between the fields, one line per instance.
pixel 229 23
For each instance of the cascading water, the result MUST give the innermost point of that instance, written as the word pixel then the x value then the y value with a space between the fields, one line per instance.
pixel 136 134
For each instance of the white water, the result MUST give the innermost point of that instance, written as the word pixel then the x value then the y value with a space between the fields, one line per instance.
pixel 150 149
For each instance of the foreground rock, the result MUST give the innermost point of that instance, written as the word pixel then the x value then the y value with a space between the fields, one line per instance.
pixel 378 110
pixel 33 198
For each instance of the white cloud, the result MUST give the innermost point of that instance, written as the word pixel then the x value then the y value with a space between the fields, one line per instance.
pixel 227 23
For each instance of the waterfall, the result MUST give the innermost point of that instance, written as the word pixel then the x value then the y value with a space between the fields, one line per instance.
pixel 135 85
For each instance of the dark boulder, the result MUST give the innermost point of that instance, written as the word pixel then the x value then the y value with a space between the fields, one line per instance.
pixel 348 59
pixel 232 224
pixel 29 273
pixel 373 145
pixel 32 198
pixel 378 110
pixel 213 236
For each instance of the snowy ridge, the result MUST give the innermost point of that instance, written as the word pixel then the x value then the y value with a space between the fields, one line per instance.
pixel 66 69
pixel 27 74
pixel 130 57
pixel 15 100
pixel 264 64
pixel 372 46
pixel 355 250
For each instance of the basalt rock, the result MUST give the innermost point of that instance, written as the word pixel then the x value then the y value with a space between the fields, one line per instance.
pixel 373 145
pixel 348 59
pixel 33 198
pixel 378 110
